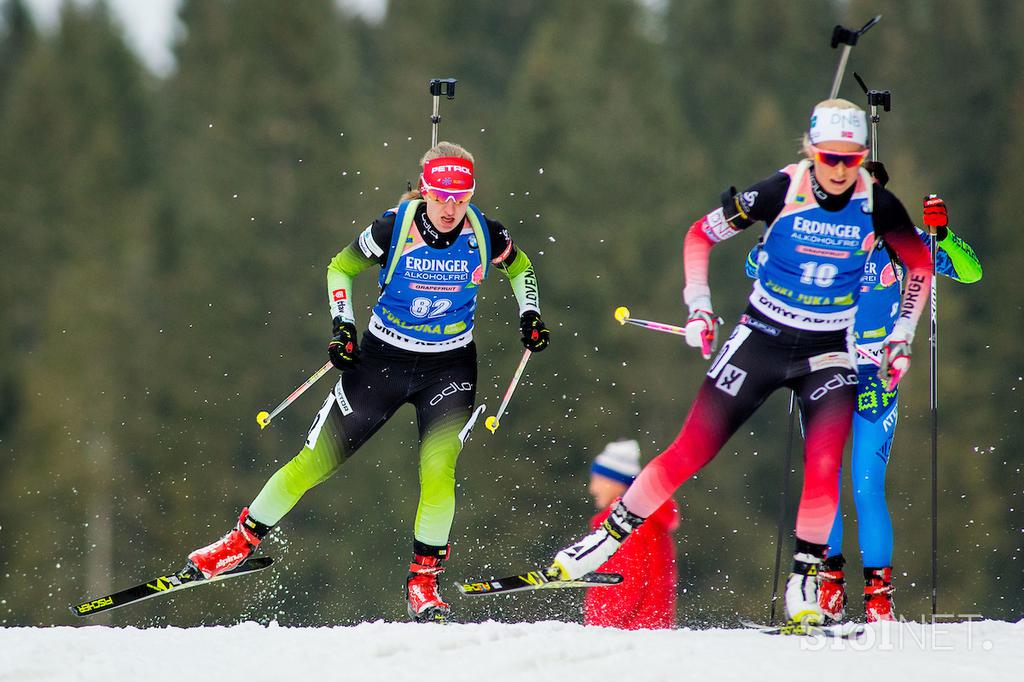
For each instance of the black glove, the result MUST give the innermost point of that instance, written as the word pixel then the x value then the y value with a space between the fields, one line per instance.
pixel 878 172
pixel 343 349
pixel 535 335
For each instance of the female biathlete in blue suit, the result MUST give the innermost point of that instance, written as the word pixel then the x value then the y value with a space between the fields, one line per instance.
pixel 874 422
pixel 434 250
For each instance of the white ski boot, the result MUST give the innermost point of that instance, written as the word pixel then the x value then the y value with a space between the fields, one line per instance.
pixel 590 553
pixel 802 586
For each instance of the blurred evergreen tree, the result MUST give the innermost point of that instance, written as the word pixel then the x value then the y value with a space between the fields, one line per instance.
pixel 17 38
pixel 76 174
pixel 478 43
pixel 746 74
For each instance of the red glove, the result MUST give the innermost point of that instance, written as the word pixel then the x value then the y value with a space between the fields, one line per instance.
pixel 936 217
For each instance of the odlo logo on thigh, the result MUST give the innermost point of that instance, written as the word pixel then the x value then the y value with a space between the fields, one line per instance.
pixel 451 389
pixel 731 379
pixel 837 381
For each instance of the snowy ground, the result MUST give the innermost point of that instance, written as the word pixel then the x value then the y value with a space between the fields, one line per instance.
pixel 493 652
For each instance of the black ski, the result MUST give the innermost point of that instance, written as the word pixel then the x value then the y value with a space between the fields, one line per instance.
pixel 838 631
pixel 164 584
pixel 534 580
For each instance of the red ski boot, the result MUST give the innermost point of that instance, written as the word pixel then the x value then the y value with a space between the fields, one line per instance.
pixel 832 589
pixel 230 550
pixel 424 602
pixel 878 594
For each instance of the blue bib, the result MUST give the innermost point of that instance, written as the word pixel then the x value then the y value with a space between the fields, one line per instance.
pixel 812 262
pixel 879 304
pixel 880 297
pixel 428 296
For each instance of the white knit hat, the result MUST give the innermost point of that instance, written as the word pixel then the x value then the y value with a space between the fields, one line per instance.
pixel 829 124
pixel 619 461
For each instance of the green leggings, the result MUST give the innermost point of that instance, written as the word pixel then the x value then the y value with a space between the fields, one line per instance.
pixel 442 388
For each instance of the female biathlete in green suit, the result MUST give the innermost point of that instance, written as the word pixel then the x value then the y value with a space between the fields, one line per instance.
pixel 434 249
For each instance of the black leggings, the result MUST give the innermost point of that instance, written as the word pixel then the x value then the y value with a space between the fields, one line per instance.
pixel 442 388
pixel 760 357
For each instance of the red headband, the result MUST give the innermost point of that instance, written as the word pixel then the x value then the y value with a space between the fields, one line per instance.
pixel 449 173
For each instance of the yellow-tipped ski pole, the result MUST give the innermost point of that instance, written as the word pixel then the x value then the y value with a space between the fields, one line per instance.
pixel 707 337
pixel 263 418
pixel 493 422
pixel 623 318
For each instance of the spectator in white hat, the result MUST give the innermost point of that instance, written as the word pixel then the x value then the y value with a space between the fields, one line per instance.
pixel 613 470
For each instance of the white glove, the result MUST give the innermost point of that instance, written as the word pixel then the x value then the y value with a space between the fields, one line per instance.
pixel 702 326
pixel 895 358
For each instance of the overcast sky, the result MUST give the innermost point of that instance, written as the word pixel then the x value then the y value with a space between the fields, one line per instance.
pixel 151 24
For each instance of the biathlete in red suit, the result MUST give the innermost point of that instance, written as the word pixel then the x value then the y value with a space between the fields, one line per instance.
pixel 797 333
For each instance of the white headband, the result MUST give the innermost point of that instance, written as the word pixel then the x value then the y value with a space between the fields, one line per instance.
pixel 839 125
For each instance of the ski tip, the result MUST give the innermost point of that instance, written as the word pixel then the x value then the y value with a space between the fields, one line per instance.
pixel 250 565
pixel 621 314
pixel 256 563
pixel 95 606
pixel 599 579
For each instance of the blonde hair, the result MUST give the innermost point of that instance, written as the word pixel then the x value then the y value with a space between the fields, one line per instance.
pixel 836 103
pixel 439 150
